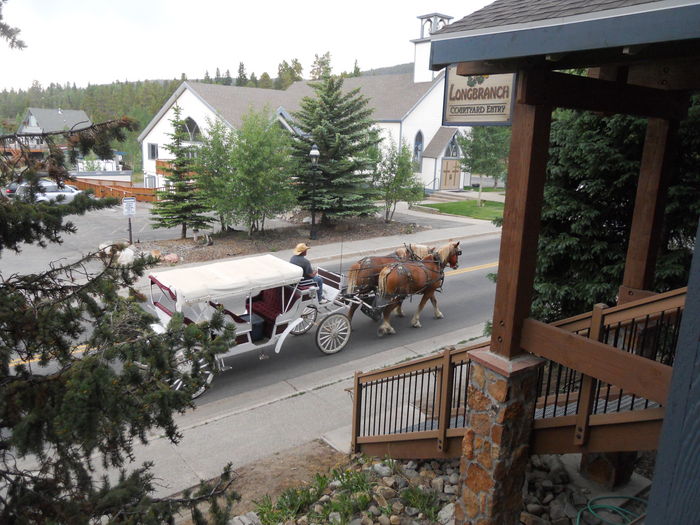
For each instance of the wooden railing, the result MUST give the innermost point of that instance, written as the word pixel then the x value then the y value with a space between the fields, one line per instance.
pixel 602 388
pixel 116 190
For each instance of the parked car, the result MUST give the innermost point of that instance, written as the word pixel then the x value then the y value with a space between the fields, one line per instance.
pixel 50 192
pixel 10 189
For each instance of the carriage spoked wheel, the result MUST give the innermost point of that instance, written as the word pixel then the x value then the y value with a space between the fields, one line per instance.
pixel 333 333
pixel 184 366
pixel 308 318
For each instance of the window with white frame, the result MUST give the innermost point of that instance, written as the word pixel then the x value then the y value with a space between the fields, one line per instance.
pixel 193 130
pixel 152 151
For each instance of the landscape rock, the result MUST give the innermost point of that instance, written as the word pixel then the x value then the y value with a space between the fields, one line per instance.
pixel 382 470
pixel 446 514
pixel 171 258
pixel 334 517
pixel 438 484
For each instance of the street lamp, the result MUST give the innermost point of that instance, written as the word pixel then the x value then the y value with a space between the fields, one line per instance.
pixel 314 154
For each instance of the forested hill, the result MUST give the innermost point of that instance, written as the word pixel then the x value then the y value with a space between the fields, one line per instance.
pixel 138 100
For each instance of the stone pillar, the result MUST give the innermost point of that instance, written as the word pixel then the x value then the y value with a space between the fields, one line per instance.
pixel 501 398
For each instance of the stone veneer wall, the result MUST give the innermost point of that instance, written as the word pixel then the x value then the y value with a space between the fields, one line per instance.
pixel 495 448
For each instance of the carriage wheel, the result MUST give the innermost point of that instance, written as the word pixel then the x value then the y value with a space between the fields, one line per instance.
pixel 333 333
pixel 308 318
pixel 184 366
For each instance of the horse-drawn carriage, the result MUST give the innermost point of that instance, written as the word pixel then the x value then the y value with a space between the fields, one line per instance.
pixel 266 299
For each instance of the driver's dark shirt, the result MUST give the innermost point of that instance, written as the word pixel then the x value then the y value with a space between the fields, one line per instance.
pixel 304 263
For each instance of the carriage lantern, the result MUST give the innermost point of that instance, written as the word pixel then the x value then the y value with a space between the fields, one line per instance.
pixel 314 154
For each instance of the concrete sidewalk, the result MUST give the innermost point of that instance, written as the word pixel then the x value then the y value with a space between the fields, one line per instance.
pixel 247 427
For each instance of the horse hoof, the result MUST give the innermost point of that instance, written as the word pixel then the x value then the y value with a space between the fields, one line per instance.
pixel 439 316
pixel 416 325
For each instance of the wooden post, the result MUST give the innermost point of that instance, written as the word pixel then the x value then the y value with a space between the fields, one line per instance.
pixel 521 219
pixel 649 204
pixel 445 405
pixel 588 384
pixel 356 413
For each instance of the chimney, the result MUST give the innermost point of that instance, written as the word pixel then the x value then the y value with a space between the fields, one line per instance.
pixel 421 58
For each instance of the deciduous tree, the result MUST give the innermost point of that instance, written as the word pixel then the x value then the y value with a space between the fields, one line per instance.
pixel 485 151
pixel 321 67
pixel 395 179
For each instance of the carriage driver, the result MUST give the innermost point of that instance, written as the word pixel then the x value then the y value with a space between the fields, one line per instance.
pixel 299 258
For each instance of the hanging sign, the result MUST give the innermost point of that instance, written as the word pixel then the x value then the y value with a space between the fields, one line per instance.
pixel 477 100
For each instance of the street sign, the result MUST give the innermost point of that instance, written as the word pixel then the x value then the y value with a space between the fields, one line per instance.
pixel 129 206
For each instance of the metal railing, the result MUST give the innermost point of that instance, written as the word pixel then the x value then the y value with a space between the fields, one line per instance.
pixel 426 400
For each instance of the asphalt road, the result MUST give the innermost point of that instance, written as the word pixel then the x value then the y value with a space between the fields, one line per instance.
pixel 466 300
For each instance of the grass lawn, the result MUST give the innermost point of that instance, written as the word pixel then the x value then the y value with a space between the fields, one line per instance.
pixel 489 210
pixel 485 189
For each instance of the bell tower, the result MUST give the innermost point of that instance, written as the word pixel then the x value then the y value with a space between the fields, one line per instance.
pixel 421 58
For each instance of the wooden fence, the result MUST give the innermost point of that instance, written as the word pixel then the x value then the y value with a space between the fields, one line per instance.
pixel 107 188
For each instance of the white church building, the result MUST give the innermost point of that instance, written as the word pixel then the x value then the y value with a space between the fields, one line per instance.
pixel 407 107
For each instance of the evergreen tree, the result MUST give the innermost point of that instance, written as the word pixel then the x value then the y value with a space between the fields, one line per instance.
pixel 228 81
pixel 253 82
pixel 321 67
pixel 340 124
pixel 207 78
pixel 588 203
pixel 90 407
pixel 395 179
pixel 265 81
pixel 242 78
pixel 181 203
pixel 217 78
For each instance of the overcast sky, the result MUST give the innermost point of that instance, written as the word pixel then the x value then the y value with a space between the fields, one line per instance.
pixel 100 41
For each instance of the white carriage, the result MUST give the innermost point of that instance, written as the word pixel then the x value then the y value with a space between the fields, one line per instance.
pixel 264 296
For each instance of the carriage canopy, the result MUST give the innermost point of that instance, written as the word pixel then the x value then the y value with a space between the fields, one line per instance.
pixel 227 278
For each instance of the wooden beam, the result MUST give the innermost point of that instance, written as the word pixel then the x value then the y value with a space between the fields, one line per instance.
pixel 635 374
pixel 521 220
pixel 415 449
pixel 445 402
pixel 633 436
pixel 588 384
pixel 577 92
pixel 647 220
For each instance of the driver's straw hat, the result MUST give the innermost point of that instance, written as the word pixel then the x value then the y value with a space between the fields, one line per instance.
pixel 301 248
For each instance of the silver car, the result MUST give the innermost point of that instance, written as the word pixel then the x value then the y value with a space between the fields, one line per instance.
pixel 50 192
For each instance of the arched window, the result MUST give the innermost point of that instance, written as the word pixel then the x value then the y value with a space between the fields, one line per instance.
pixel 418 150
pixel 193 130
pixel 452 149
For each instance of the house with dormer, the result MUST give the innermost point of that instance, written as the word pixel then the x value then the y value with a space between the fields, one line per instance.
pixel 407 107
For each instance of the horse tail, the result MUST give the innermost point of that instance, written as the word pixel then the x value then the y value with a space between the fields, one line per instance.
pixel 353 274
pixel 383 277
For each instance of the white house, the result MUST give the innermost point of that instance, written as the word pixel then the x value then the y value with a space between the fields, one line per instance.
pixel 407 107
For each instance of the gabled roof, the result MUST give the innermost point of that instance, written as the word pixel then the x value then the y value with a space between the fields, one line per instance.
pixel 392 97
pixel 60 119
pixel 439 142
pixel 508 29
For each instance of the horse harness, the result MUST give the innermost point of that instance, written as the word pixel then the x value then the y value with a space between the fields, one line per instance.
pixel 406 273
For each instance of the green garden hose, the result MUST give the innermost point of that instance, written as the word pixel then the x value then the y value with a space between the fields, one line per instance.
pixel 592 506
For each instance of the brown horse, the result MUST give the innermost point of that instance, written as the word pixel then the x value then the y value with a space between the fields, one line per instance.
pixel 364 274
pixel 416 277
